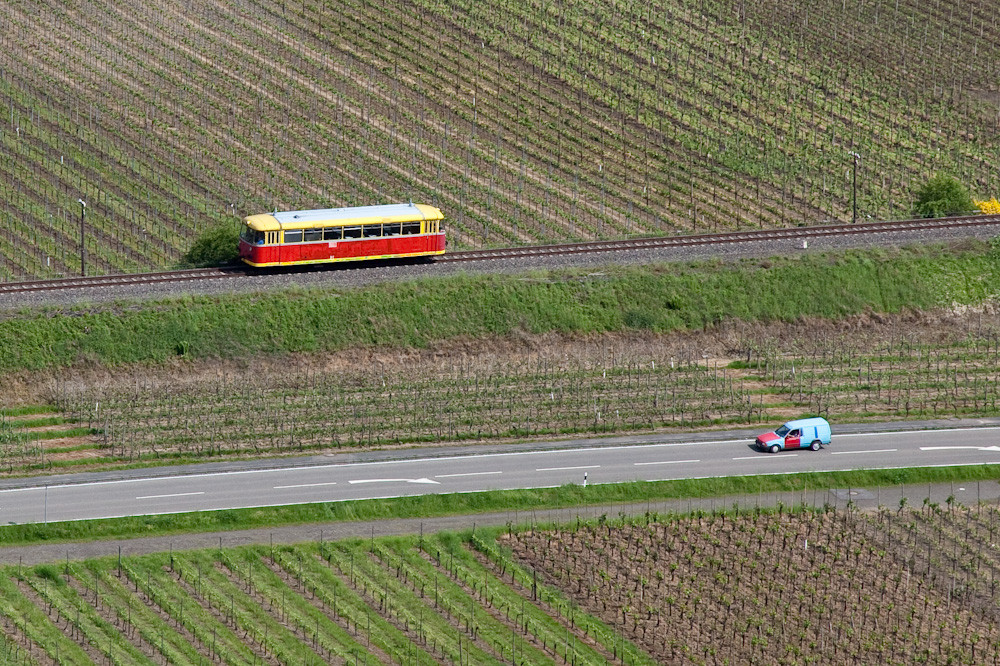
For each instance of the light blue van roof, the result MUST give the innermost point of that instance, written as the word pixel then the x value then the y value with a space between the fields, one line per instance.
pixel 804 423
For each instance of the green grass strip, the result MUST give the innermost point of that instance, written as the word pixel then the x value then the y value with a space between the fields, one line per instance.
pixel 39 423
pixel 60 434
pixel 24 410
pixel 427 506
pixel 416 314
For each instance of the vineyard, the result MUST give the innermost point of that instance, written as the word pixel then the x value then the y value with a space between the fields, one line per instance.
pixel 893 587
pixel 896 586
pixel 385 601
pixel 901 370
pixel 525 122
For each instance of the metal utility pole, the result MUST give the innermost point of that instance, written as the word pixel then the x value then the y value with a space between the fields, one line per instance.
pixel 83 246
pixel 857 159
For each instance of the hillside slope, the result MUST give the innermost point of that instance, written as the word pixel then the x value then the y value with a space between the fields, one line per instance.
pixel 526 122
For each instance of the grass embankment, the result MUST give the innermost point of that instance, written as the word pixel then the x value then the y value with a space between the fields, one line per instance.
pixel 437 505
pixel 664 298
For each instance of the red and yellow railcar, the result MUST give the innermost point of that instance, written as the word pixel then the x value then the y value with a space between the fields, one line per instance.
pixel 341 234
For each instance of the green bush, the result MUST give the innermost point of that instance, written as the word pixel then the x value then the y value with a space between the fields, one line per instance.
pixel 943 196
pixel 216 246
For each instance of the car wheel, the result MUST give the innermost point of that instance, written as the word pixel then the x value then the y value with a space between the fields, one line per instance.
pixel 774 448
pixel 815 445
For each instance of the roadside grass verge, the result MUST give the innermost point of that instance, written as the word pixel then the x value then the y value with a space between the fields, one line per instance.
pixel 428 506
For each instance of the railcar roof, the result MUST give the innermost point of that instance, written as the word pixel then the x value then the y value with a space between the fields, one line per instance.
pixel 304 218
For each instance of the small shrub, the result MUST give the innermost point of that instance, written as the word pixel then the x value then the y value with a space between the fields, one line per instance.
pixel 942 196
pixel 218 245
pixel 640 319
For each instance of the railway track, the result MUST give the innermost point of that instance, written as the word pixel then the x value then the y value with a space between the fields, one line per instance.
pixel 122 279
pixel 760 235
pixel 757 235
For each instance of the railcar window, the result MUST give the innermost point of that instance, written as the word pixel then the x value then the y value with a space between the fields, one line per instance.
pixel 352 232
pixel 312 235
pixel 333 233
pixel 251 236
pixel 391 229
pixel 373 230
pixel 411 227
pixel 293 236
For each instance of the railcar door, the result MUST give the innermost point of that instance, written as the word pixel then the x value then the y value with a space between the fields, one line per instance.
pixel 272 251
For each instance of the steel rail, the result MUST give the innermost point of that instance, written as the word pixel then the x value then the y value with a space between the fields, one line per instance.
pixel 756 235
pixel 749 236
pixel 121 279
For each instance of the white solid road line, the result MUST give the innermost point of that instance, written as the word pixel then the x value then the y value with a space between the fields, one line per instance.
pixel 665 462
pixel 173 495
pixel 932 432
pixel 851 453
pixel 448 476
pixel 306 485
pixel 947 448
pixel 768 456
pixel 559 469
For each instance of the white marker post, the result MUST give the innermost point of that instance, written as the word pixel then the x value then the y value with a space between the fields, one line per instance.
pixel 584 479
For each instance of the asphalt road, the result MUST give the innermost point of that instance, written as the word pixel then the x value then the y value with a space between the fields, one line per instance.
pixel 646 458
